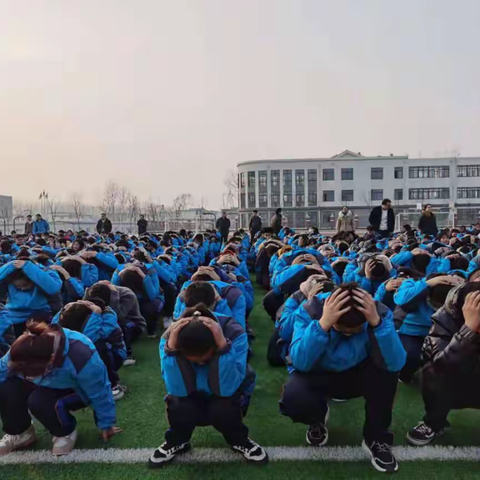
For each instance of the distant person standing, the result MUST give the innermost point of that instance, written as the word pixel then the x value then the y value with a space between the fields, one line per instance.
pixel 40 225
pixel 104 225
pixel 276 222
pixel 223 226
pixel 255 225
pixel 142 225
pixel 382 219
pixel 345 221
pixel 428 222
pixel 29 226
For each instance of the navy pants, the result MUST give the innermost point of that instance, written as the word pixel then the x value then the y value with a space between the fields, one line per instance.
pixel 112 361
pixel 413 347
pixel 51 407
pixel 305 397
pixel 131 332
pixel 225 414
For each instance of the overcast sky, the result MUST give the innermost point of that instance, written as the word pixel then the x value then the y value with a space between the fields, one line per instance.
pixel 166 96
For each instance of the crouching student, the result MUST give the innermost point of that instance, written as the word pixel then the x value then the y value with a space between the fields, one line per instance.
pixel 451 375
pixel 345 347
pixel 99 324
pixel 49 373
pixel 208 382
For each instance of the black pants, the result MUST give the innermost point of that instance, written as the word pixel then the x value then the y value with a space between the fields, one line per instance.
pixel 187 413
pixel 224 236
pixel 131 332
pixel 383 234
pixel 305 397
pixel 442 393
pixel 49 406
pixel 413 347
pixel 112 361
pixel 150 310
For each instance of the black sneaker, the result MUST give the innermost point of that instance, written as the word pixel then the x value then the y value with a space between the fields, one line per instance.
pixel 317 435
pixel 382 457
pixel 252 452
pixel 422 435
pixel 165 453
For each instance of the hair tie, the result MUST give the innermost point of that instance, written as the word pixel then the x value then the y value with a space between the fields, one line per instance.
pixel 197 313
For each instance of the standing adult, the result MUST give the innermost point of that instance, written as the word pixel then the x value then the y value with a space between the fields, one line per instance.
pixel 345 221
pixel 382 219
pixel 276 222
pixel 28 226
pixel 104 225
pixel 255 225
pixel 428 222
pixel 40 225
pixel 142 225
pixel 223 226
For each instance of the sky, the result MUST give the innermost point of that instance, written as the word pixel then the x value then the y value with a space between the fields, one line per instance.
pixel 165 97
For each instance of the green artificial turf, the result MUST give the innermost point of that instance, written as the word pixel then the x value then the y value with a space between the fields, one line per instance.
pixel 142 415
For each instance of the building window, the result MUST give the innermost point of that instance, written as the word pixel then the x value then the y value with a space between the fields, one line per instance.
pixel 347 195
pixel 468 171
pixel 300 178
pixel 242 180
pixel 376 195
pixel 242 201
pixel 300 200
pixel 287 179
pixel 275 200
pixel 429 172
pixel 251 179
pixel 312 199
pixel 312 177
pixel 398 174
pixel 287 200
pixel 347 173
pixel 328 195
pixel 398 194
pixel 299 220
pixel 468 192
pixel 328 174
pixel 377 173
pixel 263 200
pixel 429 193
pixel 251 199
pixel 262 179
pixel 275 179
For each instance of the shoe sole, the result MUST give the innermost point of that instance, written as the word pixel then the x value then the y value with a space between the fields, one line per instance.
pixel 372 460
pixel 118 397
pixel 264 461
pixel 21 447
pixel 327 418
pixel 168 462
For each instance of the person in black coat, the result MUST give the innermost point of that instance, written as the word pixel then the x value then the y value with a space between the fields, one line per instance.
pixel 382 219
pixel 276 222
pixel 451 352
pixel 255 225
pixel 223 226
pixel 428 222
pixel 142 225
pixel 104 225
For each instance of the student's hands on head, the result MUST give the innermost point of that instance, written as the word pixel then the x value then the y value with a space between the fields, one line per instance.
pixel 110 285
pixel 110 432
pixel 94 308
pixel 334 308
pixel 420 251
pixel 369 266
pixel 471 311
pixel 217 331
pixel 60 269
pixel 88 254
pixel 174 330
pixel 394 284
pixel 367 306
pixel 445 280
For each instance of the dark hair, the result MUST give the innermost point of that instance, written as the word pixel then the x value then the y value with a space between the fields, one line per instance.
pixel 379 271
pixel 120 259
pixel 5 246
pixel 421 262
pixel 32 352
pixel 255 211
pixel 73 267
pixel 353 318
pixel 339 268
pixel 80 242
pixel 41 242
pixel 195 339
pixel 74 316
pixel 199 292
pixel 386 201
pixel 42 259
pixel 406 272
pixel 473 274
pixel 133 281
pixel 343 247
pixel 459 263
pixel 99 291
pixel 278 211
pixel 438 295
pixel 462 295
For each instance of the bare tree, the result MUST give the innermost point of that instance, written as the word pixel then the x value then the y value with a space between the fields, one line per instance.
pixel 230 195
pixel 111 199
pixel 123 199
pixel 180 203
pixel 53 208
pixel 78 207
pixel 133 209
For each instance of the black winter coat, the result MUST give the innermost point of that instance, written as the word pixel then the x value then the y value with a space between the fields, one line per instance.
pixel 104 227
pixel 223 225
pixel 428 225
pixel 255 224
pixel 376 218
pixel 142 226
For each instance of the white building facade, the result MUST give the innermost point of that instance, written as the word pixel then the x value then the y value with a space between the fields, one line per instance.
pixel 312 191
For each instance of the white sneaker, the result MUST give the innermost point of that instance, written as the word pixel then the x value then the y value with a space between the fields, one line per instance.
pixel 64 445
pixel 153 336
pixel 129 361
pixel 118 392
pixel 10 443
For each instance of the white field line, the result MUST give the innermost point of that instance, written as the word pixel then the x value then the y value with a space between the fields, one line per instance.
pixel 217 455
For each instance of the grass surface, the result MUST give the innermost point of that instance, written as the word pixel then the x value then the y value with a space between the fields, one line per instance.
pixel 142 415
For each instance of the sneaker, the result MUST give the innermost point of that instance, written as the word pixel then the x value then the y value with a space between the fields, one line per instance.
pixel 165 453
pixel 64 445
pixel 129 361
pixel 317 435
pixel 167 321
pixel 422 435
pixel 10 443
pixel 339 400
pixel 383 459
pixel 152 336
pixel 252 452
pixel 118 392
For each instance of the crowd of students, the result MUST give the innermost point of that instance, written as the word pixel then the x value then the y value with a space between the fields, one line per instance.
pixel 353 316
